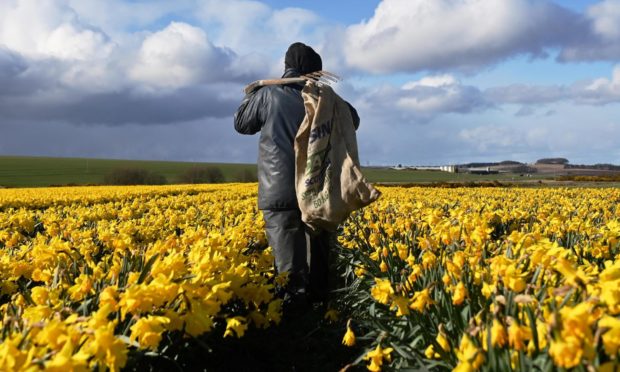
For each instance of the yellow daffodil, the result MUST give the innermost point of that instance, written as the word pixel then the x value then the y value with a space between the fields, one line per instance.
pixel 382 291
pixel 460 292
pixel 498 334
pixel 377 356
pixel 236 325
pixel 148 331
pixel 349 337
pixel 331 315
pixel 421 300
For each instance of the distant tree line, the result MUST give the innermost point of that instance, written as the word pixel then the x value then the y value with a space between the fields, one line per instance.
pixel 597 178
pixel 609 167
pixel 192 175
pixel 491 164
pixel 518 167
pixel 212 174
pixel 202 175
pixel 246 175
pixel 133 176
pixel 479 165
pixel 552 161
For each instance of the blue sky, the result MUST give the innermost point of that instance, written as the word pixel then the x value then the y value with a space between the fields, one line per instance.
pixel 344 11
pixel 434 81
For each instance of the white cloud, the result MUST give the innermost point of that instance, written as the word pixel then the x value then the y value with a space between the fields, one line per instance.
pixel 180 55
pixel 293 22
pixel 68 41
pixel 254 28
pixel 56 66
pixel 57 45
pixel 119 17
pixel 605 18
pixel 414 35
pixel 433 81
pixel 600 91
pixel 251 26
pixel 487 137
pixel 46 28
pixel 236 20
pixel 433 95
pixel 417 102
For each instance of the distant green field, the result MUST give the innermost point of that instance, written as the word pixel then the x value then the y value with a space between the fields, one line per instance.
pixel 43 171
pixel 425 176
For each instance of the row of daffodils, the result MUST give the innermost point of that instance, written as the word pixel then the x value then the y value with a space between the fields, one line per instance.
pixel 90 275
pixel 486 279
pixel 464 279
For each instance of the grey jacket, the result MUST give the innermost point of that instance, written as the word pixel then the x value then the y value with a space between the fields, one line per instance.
pixel 277 112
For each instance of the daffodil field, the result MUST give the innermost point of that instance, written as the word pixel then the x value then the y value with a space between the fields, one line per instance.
pixel 487 279
pixel 466 279
pixel 90 275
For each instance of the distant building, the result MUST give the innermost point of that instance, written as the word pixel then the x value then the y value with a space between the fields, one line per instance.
pixel 443 168
pixel 448 168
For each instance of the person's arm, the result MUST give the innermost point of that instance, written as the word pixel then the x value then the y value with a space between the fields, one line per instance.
pixel 249 117
pixel 354 115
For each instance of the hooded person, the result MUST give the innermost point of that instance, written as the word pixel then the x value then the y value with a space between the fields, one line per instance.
pixel 277 111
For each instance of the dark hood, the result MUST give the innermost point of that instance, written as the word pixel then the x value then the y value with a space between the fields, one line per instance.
pixel 302 58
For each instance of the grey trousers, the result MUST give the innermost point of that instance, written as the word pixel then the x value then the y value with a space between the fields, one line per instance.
pixel 303 255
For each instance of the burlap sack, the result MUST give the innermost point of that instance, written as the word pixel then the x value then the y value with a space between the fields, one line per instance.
pixel 328 178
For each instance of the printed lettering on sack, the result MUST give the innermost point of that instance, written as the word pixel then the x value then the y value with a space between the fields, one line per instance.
pixel 323 196
pixel 317 160
pixel 319 186
pixel 318 177
pixel 320 131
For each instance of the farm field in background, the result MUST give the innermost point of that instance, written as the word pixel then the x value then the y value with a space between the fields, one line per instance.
pixel 466 278
pixel 43 171
pixel 17 171
pixel 425 176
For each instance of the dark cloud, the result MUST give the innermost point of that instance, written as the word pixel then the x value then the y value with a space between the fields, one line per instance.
pixel 11 66
pixel 177 75
pixel 598 37
pixel 590 48
pixel 125 106
pixel 383 137
pixel 525 111
pixel 199 140
pixel 19 76
pixel 527 94
pixel 597 92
